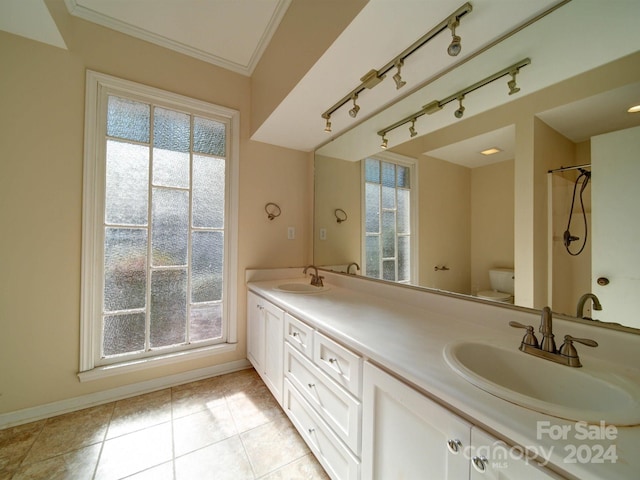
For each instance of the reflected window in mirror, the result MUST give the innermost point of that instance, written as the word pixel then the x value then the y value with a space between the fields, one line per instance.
pixel 388 243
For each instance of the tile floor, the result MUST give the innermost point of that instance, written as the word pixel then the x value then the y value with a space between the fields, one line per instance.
pixel 226 427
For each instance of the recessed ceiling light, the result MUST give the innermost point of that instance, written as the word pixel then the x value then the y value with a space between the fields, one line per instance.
pixel 490 151
pixel 634 109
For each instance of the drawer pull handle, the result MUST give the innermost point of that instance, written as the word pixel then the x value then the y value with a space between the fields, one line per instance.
pixel 333 360
pixel 480 463
pixel 454 446
pixel 311 385
pixel 295 334
pixel 311 430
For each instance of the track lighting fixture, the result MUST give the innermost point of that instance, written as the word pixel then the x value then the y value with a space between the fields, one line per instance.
pixel 327 126
pixel 436 105
pixel 455 47
pixel 412 128
pixel 397 77
pixel 513 88
pixel 460 111
pixel 385 142
pixel 374 77
pixel 356 108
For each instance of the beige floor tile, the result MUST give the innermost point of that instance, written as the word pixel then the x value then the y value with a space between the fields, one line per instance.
pixel 197 396
pixel 15 443
pixel 305 468
pixel 79 464
pixel 69 432
pixel 253 408
pixel 135 452
pixel 225 460
pixel 273 445
pixel 140 412
pixel 242 381
pixel 202 428
pixel 160 472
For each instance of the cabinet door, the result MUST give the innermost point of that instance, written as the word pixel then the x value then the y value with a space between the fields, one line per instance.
pixel 274 349
pixel 255 331
pixel 493 459
pixel 407 435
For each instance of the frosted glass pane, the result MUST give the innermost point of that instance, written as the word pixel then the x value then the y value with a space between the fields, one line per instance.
pixel 206 266
pixel 388 174
pixel 372 193
pixel 404 221
pixel 128 119
pixel 403 179
pixel 123 334
pixel 208 192
pixel 389 270
pixel 171 130
pixel 372 170
pixel 205 322
pixel 125 268
pixel 127 183
pixel 209 137
pixel 169 227
pixel 404 259
pixel 170 169
pixel 372 246
pixel 388 197
pixel 388 234
pixel 168 307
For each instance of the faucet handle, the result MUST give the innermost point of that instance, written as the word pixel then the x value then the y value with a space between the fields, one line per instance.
pixel 585 341
pixel 529 337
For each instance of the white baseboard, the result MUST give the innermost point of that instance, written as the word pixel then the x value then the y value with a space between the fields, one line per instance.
pixel 47 410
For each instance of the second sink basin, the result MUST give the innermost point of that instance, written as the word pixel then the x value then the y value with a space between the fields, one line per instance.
pixel 546 387
pixel 300 288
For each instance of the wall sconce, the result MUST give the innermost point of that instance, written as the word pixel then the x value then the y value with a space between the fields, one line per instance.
pixel 272 210
pixel 374 77
pixel 437 105
pixel 341 215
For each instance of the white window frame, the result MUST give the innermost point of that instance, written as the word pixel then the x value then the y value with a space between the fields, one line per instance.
pixel 98 86
pixel 412 165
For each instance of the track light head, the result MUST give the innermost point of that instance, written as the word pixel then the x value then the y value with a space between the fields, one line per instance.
pixel 385 142
pixel 460 111
pixel 513 88
pixel 398 77
pixel 353 113
pixel 327 126
pixel 412 129
pixel 455 47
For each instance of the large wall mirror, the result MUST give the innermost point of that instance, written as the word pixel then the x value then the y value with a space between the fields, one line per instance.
pixel 555 206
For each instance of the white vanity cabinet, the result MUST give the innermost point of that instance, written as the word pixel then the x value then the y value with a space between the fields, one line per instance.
pixel 265 342
pixel 492 459
pixel 407 435
pixel 322 397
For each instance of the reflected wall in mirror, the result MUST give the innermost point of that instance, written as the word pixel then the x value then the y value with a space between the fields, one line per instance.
pixel 509 211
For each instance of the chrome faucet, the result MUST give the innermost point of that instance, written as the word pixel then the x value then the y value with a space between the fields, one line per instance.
pixel 583 300
pixel 566 355
pixel 354 264
pixel 316 280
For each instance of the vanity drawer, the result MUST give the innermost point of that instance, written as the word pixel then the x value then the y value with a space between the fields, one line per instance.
pixel 339 363
pixel 298 334
pixel 336 407
pixel 332 454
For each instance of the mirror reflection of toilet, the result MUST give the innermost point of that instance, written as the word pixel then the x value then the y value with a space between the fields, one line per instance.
pixel 502 282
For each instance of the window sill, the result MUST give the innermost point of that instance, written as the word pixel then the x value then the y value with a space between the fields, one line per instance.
pixel 105 371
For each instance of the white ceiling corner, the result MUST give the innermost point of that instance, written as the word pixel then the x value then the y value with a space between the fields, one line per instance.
pixel 30 19
pixel 231 34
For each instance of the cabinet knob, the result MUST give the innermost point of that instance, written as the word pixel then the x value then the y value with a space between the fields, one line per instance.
pixel 480 463
pixel 311 385
pixel 311 430
pixel 333 360
pixel 454 445
pixel 295 334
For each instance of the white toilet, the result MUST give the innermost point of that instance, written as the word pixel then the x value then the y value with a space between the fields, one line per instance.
pixel 502 286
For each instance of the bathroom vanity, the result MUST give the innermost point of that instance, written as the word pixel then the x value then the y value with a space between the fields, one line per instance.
pixel 370 375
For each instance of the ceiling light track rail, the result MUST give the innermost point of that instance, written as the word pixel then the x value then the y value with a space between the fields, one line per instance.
pixel 437 105
pixel 374 77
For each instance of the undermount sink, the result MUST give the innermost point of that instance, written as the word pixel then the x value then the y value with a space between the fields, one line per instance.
pixel 300 288
pixel 546 387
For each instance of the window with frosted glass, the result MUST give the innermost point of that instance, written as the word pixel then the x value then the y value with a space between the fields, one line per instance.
pixel 387 220
pixel 164 229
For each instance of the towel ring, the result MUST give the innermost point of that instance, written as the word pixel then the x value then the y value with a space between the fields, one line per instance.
pixel 341 215
pixel 272 210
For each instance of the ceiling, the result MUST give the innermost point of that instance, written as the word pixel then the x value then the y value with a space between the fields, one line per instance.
pixel 578 36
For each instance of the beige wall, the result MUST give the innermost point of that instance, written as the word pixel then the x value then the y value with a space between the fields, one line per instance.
pixel 444 224
pixel 41 151
pixel 492 221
